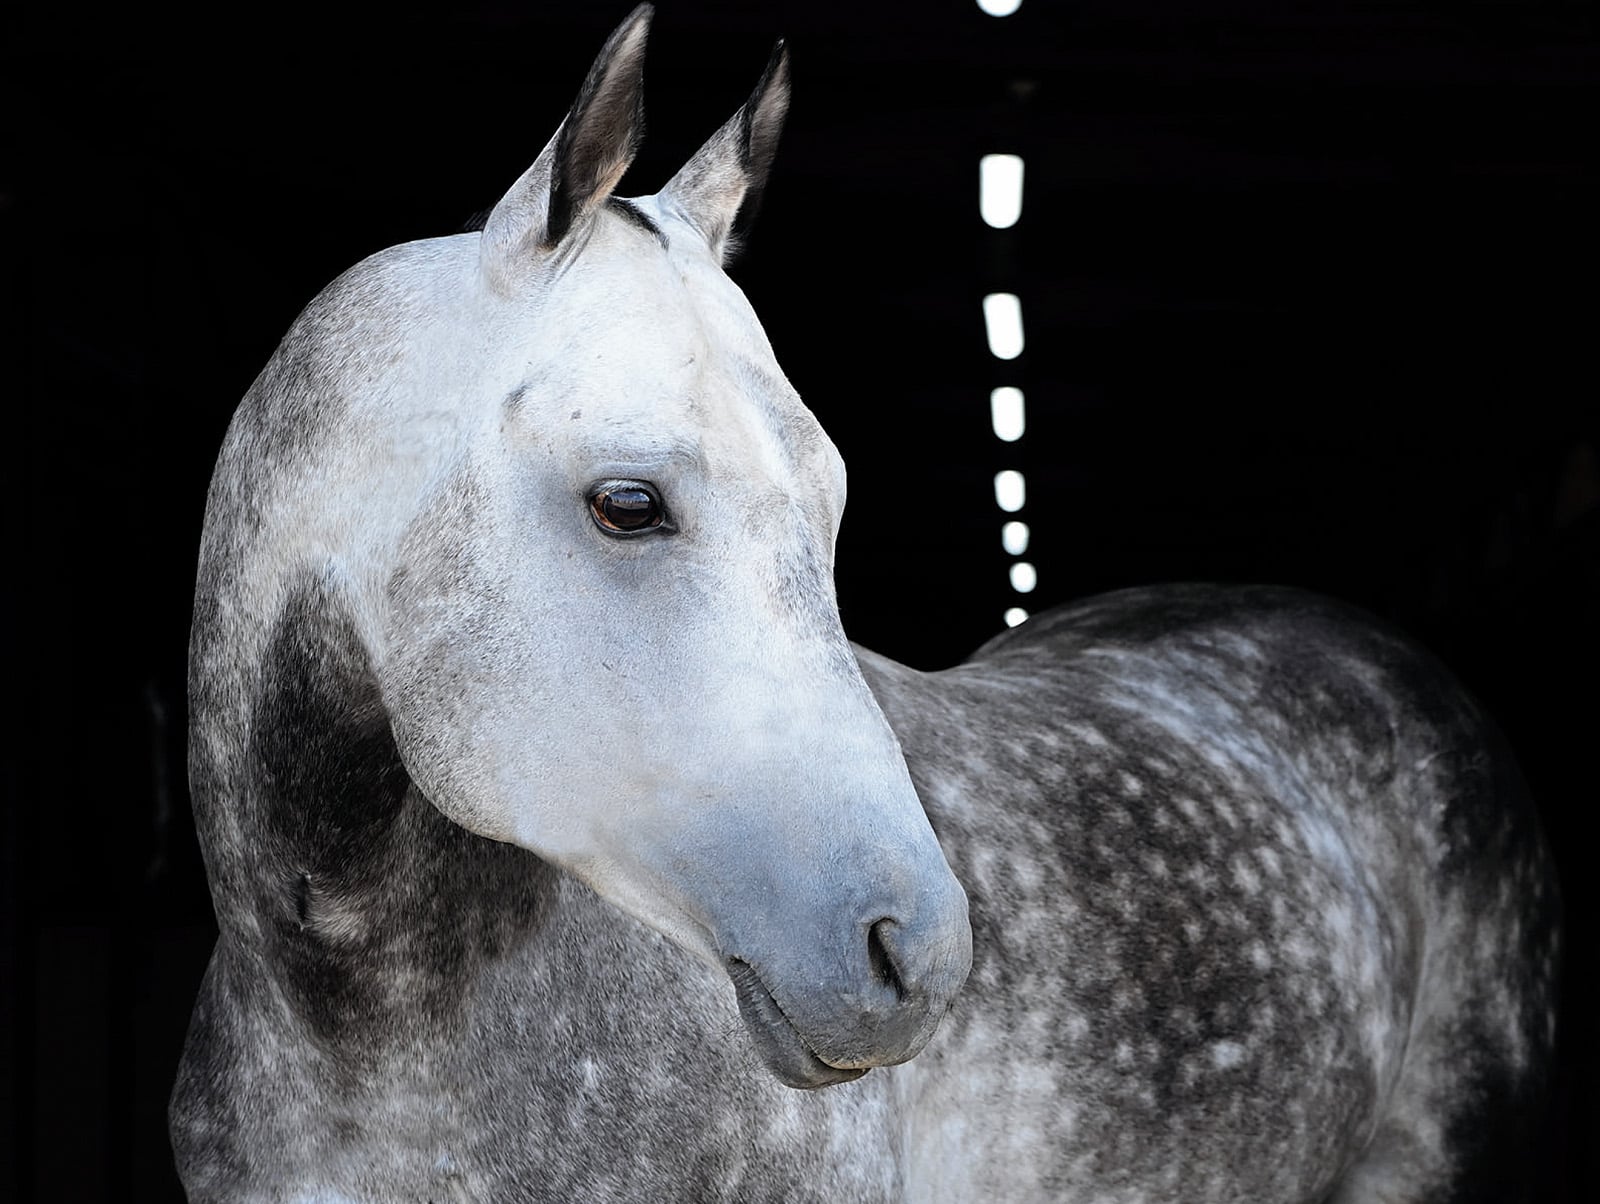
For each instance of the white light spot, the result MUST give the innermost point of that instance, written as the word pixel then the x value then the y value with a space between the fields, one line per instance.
pixel 1014 537
pixel 1245 876
pixel 1225 1054
pixel 1016 615
pixel 1002 319
pixel 1010 491
pixel 1000 189
pixel 1006 413
pixel 999 8
pixel 1023 577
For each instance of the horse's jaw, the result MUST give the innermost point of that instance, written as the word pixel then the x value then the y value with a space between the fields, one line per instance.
pixel 833 973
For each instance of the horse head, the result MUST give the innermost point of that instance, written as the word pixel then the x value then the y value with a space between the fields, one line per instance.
pixel 582 528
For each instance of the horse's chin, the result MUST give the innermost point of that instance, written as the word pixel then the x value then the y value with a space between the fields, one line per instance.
pixel 792 1061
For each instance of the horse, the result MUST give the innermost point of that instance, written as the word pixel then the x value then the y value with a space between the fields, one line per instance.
pixel 563 847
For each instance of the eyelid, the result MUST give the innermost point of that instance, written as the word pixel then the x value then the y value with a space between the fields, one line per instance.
pixel 617 484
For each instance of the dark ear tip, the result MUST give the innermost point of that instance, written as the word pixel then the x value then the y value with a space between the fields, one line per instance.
pixel 777 68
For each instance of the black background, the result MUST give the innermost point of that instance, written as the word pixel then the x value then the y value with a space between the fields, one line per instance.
pixel 1308 291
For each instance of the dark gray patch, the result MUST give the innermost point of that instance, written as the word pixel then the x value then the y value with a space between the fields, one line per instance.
pixel 330 783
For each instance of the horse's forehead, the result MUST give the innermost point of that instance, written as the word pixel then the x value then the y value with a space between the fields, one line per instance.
pixel 624 312
pixel 645 333
pixel 662 275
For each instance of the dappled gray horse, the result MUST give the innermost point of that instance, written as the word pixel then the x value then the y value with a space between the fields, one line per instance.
pixel 557 833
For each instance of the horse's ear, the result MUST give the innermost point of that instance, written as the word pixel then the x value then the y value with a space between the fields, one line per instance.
pixel 581 165
pixel 725 178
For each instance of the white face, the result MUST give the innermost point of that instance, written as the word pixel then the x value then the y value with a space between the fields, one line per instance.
pixel 610 636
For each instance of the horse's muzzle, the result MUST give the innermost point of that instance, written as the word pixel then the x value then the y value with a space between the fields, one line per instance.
pixel 833 1020
pixel 782 1048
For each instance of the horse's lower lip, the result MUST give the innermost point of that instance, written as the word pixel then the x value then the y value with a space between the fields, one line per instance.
pixel 782 1048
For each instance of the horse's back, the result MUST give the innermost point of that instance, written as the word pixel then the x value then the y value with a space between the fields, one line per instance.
pixel 1260 906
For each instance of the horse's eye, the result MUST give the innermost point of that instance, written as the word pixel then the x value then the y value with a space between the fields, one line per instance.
pixel 626 507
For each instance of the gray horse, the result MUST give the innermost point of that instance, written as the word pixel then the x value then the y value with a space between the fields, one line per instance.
pixel 557 833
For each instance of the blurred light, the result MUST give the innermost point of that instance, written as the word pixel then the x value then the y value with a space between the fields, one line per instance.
pixel 1005 411
pixel 1016 615
pixel 1023 577
pixel 1000 189
pixel 999 8
pixel 1002 318
pixel 1009 490
pixel 1014 538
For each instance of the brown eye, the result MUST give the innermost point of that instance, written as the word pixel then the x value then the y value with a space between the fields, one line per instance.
pixel 626 507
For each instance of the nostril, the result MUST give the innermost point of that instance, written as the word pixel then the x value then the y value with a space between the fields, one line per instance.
pixel 882 960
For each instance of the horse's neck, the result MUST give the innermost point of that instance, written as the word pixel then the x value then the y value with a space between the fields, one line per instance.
pixel 368 911
pixel 387 942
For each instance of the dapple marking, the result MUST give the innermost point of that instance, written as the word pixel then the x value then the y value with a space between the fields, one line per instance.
pixel 556 832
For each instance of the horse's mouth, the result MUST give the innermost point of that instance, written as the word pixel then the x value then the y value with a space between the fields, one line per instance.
pixel 786 1053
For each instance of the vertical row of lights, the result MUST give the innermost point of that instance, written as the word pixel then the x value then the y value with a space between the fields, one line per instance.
pixel 1000 205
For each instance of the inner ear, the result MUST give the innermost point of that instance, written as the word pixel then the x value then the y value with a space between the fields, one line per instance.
pixel 725 177
pixel 580 165
pixel 602 130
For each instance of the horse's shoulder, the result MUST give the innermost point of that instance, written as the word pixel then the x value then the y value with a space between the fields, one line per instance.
pixel 1241 837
